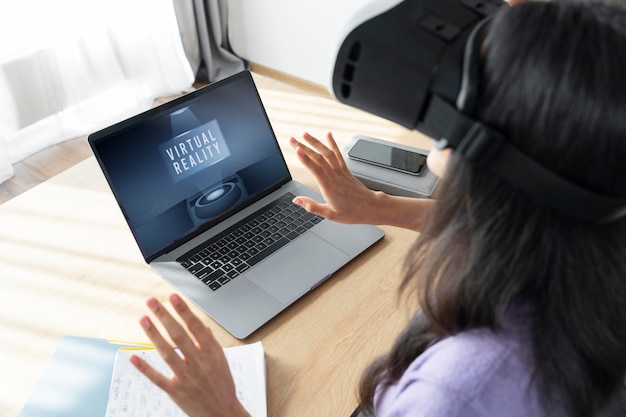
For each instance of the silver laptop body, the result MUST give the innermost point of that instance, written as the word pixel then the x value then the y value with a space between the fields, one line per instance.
pixel 190 177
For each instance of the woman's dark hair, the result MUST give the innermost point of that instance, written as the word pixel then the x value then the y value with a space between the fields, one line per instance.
pixel 554 82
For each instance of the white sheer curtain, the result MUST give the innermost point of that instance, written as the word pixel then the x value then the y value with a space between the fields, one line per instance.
pixel 68 67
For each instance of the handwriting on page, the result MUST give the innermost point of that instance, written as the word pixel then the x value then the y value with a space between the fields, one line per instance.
pixel 247 365
pixel 132 394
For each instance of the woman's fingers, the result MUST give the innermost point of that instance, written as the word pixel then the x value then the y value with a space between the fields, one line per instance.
pixel 166 351
pixel 329 154
pixel 333 146
pixel 176 332
pixel 325 163
pixel 152 374
pixel 202 384
pixel 200 332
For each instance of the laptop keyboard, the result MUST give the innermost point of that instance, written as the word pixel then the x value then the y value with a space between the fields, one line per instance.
pixel 237 249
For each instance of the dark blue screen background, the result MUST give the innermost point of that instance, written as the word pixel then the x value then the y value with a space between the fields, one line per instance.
pixel 155 205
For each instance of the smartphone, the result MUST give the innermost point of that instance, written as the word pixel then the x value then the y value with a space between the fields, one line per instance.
pixel 388 156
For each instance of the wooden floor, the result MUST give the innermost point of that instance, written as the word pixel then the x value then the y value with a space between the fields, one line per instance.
pixel 43 165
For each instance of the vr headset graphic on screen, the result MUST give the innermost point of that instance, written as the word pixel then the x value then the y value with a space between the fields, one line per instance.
pixel 417 65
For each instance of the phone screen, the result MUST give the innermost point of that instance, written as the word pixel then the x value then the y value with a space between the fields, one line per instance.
pixel 388 156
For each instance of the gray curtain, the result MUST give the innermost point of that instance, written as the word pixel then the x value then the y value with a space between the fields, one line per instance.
pixel 204 33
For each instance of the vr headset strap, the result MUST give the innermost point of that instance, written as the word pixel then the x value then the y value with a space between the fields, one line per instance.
pixel 484 146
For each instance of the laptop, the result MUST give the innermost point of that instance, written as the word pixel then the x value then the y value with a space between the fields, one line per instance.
pixel 207 195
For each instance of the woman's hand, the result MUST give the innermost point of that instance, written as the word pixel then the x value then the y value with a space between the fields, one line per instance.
pixel 202 384
pixel 347 199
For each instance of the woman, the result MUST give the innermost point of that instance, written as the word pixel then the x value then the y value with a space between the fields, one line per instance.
pixel 523 308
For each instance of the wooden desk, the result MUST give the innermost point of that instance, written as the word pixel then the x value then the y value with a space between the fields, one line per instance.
pixel 69 266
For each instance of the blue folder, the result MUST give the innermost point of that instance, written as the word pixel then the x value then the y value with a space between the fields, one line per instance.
pixel 76 381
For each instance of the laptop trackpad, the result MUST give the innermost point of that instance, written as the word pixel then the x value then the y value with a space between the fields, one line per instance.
pixel 297 267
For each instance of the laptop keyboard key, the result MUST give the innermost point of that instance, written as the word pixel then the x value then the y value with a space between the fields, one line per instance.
pixel 214 276
pixel 267 252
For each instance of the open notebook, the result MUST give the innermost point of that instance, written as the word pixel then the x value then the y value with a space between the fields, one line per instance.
pixel 133 395
pixel 93 377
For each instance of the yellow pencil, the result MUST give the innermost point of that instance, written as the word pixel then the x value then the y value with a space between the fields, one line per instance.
pixel 138 348
pixel 125 342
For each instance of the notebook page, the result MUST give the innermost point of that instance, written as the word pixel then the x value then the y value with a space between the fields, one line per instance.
pixel 133 395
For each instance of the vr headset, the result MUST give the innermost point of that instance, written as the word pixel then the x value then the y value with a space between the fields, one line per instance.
pixel 417 64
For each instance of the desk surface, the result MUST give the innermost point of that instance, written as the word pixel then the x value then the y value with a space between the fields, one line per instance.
pixel 69 266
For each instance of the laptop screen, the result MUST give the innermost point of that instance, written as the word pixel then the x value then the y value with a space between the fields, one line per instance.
pixel 181 167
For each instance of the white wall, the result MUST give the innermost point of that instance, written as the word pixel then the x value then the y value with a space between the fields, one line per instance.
pixel 297 37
